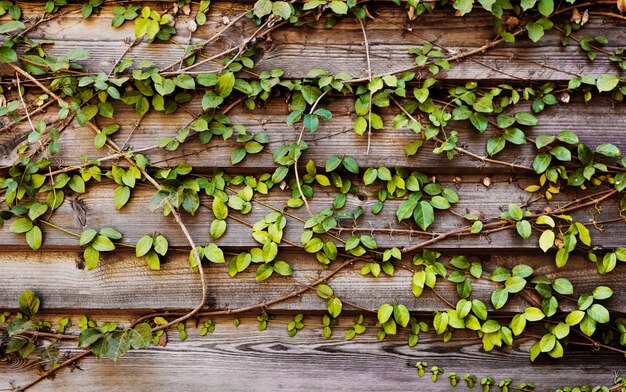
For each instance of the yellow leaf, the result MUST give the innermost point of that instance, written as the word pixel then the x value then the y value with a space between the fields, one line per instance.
pixel 532 188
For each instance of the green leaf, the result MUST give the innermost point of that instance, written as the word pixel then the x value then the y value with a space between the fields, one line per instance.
pixel 28 302
pixel 144 245
pixel 87 236
pixel 17 326
pixel 499 297
pixel 535 31
pixel 515 136
pixel 92 257
pixel 334 307
pixel 103 244
pixel 563 286
pixel 401 315
pixel 599 313
pixel 34 238
pixel 121 196
pixel 282 268
pixel 140 336
pixel 384 313
pixel 338 7
pixel 262 8
pixel 324 291
pixel 524 229
pixel 608 150
pixel 518 324
pixel 424 215
pixel 439 203
pixel 7 55
pixel 21 225
pixel 218 228
pixel 533 314
pixel 541 162
pixel 152 259
pixel 515 284
pixel 602 292
pixel 463 6
pixel 607 82
pixel 546 7
pixel 495 144
pixel 515 212
pixel 160 245
pixel 7 27
pixel 214 254
pixel 546 240
pixel 88 337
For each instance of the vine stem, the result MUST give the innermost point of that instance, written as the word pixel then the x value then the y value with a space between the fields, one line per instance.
pixel 488 45
pixel 52 371
pixel 369 76
pixel 173 210
pixel 295 161
pixel 464 151
pixel 263 305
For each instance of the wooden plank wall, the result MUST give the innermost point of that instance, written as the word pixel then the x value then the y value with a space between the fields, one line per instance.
pixel 121 287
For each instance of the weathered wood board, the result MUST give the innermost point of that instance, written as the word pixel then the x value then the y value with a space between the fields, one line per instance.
pixel 245 359
pixel 595 123
pixel 390 34
pixel 93 210
pixel 123 281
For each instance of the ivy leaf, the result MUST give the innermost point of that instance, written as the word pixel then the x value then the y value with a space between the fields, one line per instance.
pixel 29 302
pixel 160 245
pixel 535 31
pixel 7 55
pixel 525 118
pixel 384 313
pixel 87 236
pixel 599 313
pixel 424 215
pixel 541 162
pixel 218 228
pixel 17 326
pixel 34 238
pixel 334 307
pixel 92 257
pixel 262 8
pixel 338 7
pixel 607 82
pixel 21 225
pixel 214 254
pixel 401 315
pixel 499 297
pixel 121 195
pixel 152 259
pixel 463 6
pixel 264 271
pixel 144 245
pixel 140 336
pixel 282 268
pixel 609 150
pixel 524 229
pixel 546 7
pixel 546 240
pixel 103 244
pixel 563 286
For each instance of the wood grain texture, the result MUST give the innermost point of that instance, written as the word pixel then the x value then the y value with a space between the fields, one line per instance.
pixel 390 34
pixel 245 359
pixel 96 209
pixel 123 281
pixel 595 123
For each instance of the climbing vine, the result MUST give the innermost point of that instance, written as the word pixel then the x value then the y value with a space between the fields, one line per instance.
pixel 34 187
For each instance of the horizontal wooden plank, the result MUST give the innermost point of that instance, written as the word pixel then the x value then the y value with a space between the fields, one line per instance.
pixel 594 123
pixel 245 359
pixel 123 281
pixel 96 209
pixel 297 50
